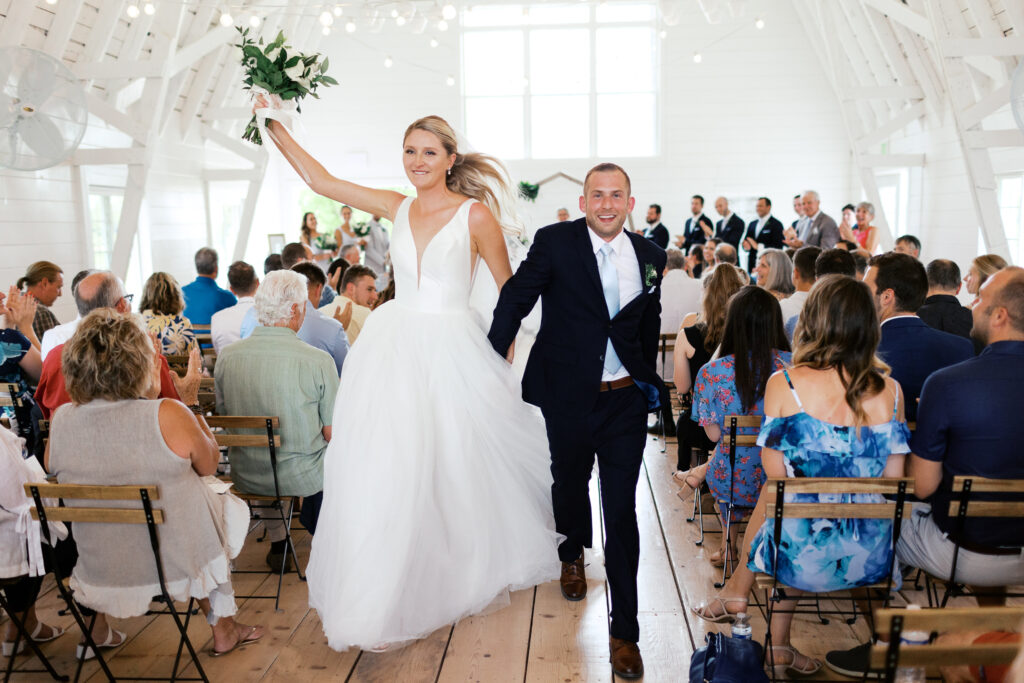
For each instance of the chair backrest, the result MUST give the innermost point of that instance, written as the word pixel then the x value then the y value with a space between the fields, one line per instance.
pixel 774 490
pixel 963 504
pixel 11 396
pixel 178 363
pixel 245 422
pixel 946 619
pixel 733 423
pixel 142 493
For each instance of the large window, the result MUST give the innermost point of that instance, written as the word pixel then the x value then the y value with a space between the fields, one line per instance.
pixel 1011 208
pixel 561 81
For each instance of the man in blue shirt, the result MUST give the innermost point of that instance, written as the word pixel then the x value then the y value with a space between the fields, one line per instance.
pixel 969 422
pixel 203 297
pixel 909 346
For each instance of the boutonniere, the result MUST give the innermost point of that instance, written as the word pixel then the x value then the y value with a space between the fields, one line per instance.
pixel 650 275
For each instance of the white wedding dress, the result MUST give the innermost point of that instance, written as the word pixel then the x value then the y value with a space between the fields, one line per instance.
pixel 437 483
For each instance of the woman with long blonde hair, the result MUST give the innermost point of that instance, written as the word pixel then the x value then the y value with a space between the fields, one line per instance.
pixel 435 508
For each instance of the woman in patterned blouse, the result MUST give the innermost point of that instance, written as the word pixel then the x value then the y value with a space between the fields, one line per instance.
pixel 161 307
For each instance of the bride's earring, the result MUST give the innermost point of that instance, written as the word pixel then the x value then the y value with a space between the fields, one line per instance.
pixel 449 170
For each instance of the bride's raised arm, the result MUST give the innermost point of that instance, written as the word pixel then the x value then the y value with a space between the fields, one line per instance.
pixel 490 243
pixel 373 201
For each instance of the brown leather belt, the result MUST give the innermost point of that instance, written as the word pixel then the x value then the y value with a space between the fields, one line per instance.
pixel 616 384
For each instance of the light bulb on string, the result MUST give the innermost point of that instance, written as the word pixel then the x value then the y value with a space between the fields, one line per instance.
pixel 450 80
pixel 442 25
pixel 697 58
pixel 663 34
pixel 51 2
pixel 149 8
pixel 326 18
pixel 759 23
pixel 226 19
pixel 350 26
pixel 132 11
pixel 326 30
pixel 433 42
pixel 448 11
pixel 254 21
pixel 400 20
pixel 388 62
pixel 338 11
pixel 394 13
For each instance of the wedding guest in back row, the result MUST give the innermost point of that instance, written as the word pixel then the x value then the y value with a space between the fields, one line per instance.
pixel 203 297
pixel 913 350
pixel 730 228
pixel 775 273
pixel 763 233
pixel 226 325
pixel 803 280
pixel 818 228
pixel 44 281
pixel 377 243
pixel 318 330
pixel 941 309
pixel 908 244
pixel 295 252
pixel 56 336
pixel 161 306
pixel 697 228
pixel 982 267
pixel 562 215
pixel 309 237
pixel 655 232
pixel 358 289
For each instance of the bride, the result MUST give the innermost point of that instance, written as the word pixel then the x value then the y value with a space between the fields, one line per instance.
pixel 437 487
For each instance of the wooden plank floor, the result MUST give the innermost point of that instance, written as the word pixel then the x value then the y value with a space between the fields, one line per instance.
pixel 539 638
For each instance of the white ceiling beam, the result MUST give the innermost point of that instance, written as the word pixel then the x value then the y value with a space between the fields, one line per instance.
pixel 987 139
pixel 989 104
pixel 894 125
pixel 879 25
pixel 107 156
pixel 111 70
pixel 60 29
pixel 897 11
pixel 855 62
pixel 116 118
pixel 883 92
pixel 197 91
pixel 16 23
pixel 193 52
pixel 234 145
pixel 879 68
pixel 1010 46
pixel 227 113
pixel 1015 12
pixel 228 174
pixel 891 160
pixel 249 212
pixel 920 65
pixel 98 38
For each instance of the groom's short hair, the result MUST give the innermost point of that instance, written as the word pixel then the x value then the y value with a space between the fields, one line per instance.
pixel 608 167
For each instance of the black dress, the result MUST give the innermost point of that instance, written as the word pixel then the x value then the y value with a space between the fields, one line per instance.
pixel 689 434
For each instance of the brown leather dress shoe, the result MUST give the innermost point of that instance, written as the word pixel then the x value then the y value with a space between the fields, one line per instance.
pixel 626 659
pixel 574 580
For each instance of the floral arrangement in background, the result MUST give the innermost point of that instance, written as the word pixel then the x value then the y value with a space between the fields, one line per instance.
pixel 281 73
pixel 529 190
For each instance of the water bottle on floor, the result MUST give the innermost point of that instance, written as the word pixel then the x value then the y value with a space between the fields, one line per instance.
pixel 912 674
pixel 741 627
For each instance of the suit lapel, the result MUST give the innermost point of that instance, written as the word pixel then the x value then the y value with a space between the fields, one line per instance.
pixel 586 252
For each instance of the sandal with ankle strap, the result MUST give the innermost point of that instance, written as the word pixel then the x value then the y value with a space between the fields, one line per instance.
pixel 7 646
pixel 682 480
pixel 725 616
pixel 811 667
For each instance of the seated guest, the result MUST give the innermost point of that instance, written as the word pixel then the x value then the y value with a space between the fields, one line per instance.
pixel 708 250
pixel 726 253
pixel 350 252
pixel 318 330
pixel 272 263
pixel 226 324
pixel 203 297
pixel 865 233
pixel 829 262
pixel 56 336
pixel 981 269
pixel 273 372
pixel 941 309
pixel 695 261
pixel 295 252
pixel 835 413
pixel 336 271
pixel 358 288
pixel 860 262
pixel 909 245
pixel 385 296
pixel 108 436
pixel 19 360
pixel 803 280
pixel 774 273
pixel 103 289
pixel 912 349
pixel 754 346
pixel 696 342
pixel 161 307
pixel 968 424
pixel 44 281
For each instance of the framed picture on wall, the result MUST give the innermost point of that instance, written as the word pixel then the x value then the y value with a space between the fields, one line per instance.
pixel 276 242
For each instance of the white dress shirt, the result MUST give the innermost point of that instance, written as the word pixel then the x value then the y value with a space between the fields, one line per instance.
pixel 55 336
pixel 758 225
pixel 226 324
pixel 628 269
pixel 793 304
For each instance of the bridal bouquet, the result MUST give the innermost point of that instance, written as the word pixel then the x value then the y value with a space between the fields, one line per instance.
pixel 281 74
pixel 326 242
pixel 361 229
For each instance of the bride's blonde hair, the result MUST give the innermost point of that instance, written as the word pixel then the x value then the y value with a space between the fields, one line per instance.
pixel 478 176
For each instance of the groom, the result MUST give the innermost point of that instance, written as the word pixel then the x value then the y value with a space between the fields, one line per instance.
pixel 592 373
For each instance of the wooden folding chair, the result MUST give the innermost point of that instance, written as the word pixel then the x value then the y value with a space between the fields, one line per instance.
pixel 207 397
pixel 24 636
pixel 146 514
pixel 976 497
pixel 667 343
pixel 777 510
pixel 733 424
pixel 283 506
pixel 890 657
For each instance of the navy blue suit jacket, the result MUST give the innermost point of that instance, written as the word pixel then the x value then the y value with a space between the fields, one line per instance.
pixel 564 371
pixel 914 351
pixel 693 233
pixel 658 234
pixel 732 232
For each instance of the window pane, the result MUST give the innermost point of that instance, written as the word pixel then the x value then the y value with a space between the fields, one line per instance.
pixel 625 59
pixel 626 125
pixel 495 125
pixel 622 12
pixel 493 62
pixel 560 126
pixel 559 14
pixel 493 15
pixel 559 61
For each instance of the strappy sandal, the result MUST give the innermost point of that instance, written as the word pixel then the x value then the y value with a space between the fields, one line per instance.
pixel 682 480
pixel 85 653
pixel 714 616
pixel 811 665
pixel 241 642
pixel 717 558
pixel 7 646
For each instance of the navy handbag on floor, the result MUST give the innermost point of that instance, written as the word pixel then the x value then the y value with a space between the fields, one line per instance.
pixel 727 660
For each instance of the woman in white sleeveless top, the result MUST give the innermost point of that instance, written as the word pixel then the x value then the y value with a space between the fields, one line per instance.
pixel 439 505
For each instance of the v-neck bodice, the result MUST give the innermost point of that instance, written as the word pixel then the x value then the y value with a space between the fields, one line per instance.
pixel 441 276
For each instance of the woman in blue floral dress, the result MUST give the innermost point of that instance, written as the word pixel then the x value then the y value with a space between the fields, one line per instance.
pixel 835 413
pixel 754 330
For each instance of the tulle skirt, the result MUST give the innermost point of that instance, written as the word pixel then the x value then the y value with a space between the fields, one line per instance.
pixel 437 484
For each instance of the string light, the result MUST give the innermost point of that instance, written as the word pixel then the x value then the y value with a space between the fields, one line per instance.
pixel 400 20
pixel 448 11
pixel 226 19
pixel 697 58
pixel 338 11
pixel 450 80
pixel 254 21
pixel 133 11
pixel 388 62
pixel 326 30
pixel 149 9
pixel 326 19
pixel 442 25
pixel 51 2
pixel 433 42
pixel 759 23
pixel 350 26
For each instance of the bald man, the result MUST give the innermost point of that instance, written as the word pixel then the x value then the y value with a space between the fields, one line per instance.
pixel 731 228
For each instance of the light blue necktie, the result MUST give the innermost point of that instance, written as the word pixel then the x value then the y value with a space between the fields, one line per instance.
pixel 610 285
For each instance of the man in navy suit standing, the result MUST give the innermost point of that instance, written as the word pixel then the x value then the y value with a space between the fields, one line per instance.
pixel 730 228
pixel 656 232
pixel 766 231
pixel 911 348
pixel 697 228
pixel 592 373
